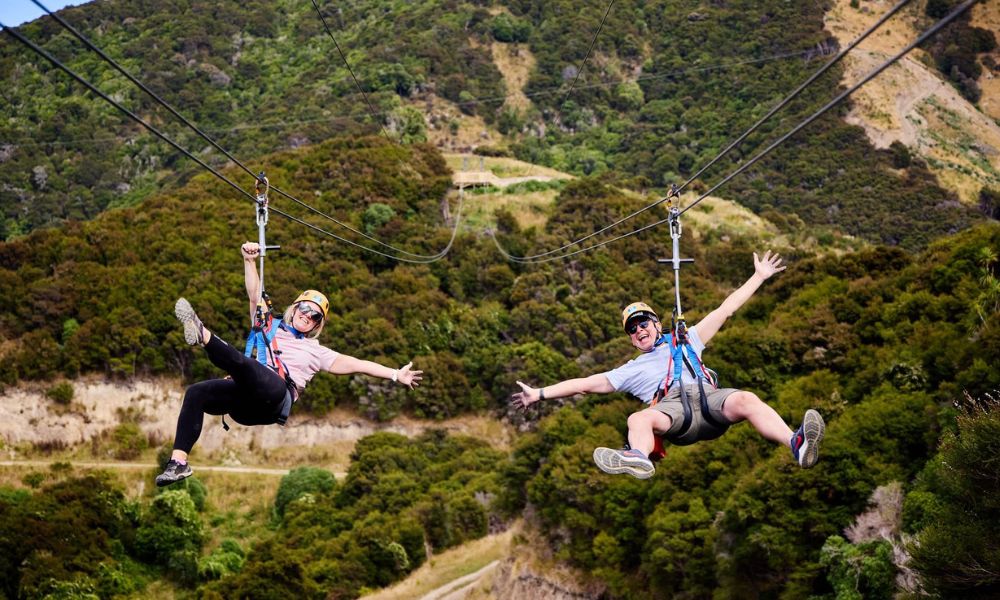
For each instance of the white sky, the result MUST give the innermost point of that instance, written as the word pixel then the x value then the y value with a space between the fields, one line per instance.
pixel 15 12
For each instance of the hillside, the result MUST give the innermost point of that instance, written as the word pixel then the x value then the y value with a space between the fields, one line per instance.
pixel 887 319
pixel 646 111
pixel 914 104
pixel 882 342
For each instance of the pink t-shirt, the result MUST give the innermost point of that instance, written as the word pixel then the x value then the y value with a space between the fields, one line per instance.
pixel 303 357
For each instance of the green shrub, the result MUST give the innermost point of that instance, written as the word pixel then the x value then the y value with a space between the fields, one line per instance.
pixel 128 441
pixel 859 572
pixel 377 215
pixel 956 506
pixel 301 481
pixel 194 488
pixel 506 28
pixel 169 527
pixel 61 393
pixel 226 559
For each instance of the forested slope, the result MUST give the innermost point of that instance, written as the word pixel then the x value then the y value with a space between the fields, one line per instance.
pixel 880 341
pixel 668 85
pixel 884 346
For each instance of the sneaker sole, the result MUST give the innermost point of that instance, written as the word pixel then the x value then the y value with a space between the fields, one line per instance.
pixel 185 314
pixel 813 428
pixel 612 462
pixel 166 482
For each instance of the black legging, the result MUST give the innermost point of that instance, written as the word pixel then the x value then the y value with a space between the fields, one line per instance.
pixel 252 397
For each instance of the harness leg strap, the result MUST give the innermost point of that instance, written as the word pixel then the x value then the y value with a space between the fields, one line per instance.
pixel 286 407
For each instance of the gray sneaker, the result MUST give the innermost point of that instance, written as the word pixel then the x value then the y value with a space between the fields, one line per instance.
pixel 194 331
pixel 805 441
pixel 614 462
pixel 174 472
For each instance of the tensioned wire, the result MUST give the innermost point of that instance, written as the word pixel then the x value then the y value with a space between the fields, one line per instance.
pixel 921 39
pixel 488 100
pixel 41 52
pixel 211 141
pixel 351 71
pixel 784 102
pixel 583 65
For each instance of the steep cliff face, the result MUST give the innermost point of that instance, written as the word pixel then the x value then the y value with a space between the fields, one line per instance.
pixel 28 418
pixel 516 578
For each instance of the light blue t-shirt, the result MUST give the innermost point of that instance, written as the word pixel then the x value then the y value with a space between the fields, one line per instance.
pixel 644 375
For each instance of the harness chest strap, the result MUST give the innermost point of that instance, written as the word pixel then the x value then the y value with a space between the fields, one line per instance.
pixel 262 339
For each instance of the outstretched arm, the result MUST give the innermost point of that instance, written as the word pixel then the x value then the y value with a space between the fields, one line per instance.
pixel 346 365
pixel 596 384
pixel 763 269
pixel 250 252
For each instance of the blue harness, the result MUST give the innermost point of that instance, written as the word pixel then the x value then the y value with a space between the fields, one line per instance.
pixel 261 339
pixel 693 363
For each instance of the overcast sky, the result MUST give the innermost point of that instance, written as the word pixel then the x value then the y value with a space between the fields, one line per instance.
pixel 15 12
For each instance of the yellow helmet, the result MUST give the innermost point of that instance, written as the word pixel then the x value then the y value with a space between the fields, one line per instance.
pixel 317 297
pixel 637 309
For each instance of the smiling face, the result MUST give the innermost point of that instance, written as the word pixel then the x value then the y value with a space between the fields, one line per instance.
pixel 306 316
pixel 647 330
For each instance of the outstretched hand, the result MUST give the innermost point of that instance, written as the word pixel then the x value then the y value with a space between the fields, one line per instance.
pixel 526 397
pixel 767 266
pixel 408 377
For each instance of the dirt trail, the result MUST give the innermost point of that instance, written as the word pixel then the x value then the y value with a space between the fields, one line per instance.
pixel 457 589
pixel 44 464
pixel 913 104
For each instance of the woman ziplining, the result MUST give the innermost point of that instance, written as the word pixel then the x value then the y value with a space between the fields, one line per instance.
pixel 670 377
pixel 261 391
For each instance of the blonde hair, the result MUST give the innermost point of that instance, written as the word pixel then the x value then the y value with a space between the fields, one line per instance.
pixel 312 333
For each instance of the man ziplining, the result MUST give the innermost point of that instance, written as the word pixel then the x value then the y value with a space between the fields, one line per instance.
pixel 685 405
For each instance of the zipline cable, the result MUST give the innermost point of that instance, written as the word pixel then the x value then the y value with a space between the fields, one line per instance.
pixel 41 52
pixel 487 100
pixel 784 102
pixel 353 76
pixel 579 70
pixel 211 141
pixel 923 37
pixel 593 42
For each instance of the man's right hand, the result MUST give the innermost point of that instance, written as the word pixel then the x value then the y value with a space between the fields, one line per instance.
pixel 250 250
pixel 526 397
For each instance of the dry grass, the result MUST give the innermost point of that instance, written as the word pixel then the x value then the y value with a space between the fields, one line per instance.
pixel 450 129
pixel 987 16
pixel 448 566
pixel 515 62
pixel 723 218
pixel 159 589
pixel 530 209
pixel 240 504
pixel 500 166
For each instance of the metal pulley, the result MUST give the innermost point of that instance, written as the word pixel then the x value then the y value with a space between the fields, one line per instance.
pixel 261 188
pixel 676 261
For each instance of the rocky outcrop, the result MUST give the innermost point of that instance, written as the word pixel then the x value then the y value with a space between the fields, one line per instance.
pixel 524 580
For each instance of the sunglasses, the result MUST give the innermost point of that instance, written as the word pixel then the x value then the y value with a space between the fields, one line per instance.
pixel 307 311
pixel 636 325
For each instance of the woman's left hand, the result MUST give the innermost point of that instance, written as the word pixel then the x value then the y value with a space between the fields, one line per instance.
pixel 408 377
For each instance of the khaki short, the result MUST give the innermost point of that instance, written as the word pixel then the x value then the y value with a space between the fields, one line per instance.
pixel 700 429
